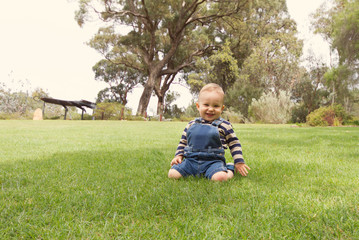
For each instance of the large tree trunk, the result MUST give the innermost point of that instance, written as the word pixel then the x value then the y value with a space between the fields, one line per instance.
pixel 147 92
pixel 161 92
pixel 160 107
pixel 145 99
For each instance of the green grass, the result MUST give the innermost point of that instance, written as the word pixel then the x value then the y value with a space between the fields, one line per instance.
pixel 108 180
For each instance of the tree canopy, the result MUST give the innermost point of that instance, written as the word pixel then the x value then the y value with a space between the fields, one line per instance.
pixel 338 24
pixel 121 81
pixel 262 43
pixel 248 47
pixel 164 36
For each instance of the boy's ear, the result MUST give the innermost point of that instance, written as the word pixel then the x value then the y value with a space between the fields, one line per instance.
pixel 197 105
pixel 223 107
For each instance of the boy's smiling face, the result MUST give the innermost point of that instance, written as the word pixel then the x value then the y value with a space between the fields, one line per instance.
pixel 210 105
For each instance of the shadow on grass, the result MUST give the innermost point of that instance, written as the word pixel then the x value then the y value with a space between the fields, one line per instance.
pixel 76 194
pixel 126 194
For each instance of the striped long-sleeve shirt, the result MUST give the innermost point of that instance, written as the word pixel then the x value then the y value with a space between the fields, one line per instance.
pixel 227 136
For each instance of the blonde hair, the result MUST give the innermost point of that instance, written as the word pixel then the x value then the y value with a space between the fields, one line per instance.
pixel 212 87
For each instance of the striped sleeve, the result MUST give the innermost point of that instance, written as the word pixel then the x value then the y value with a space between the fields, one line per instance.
pixel 230 140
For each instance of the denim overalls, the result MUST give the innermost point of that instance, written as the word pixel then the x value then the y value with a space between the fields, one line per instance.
pixel 203 141
pixel 204 154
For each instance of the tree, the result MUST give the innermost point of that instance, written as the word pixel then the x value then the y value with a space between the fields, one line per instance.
pixel 165 36
pixel 274 62
pixel 121 80
pixel 109 111
pixel 161 89
pixel 310 89
pixel 172 111
pixel 267 53
pixel 17 103
pixel 338 24
pixel 263 44
pixel 337 80
pixel 346 34
pixel 221 68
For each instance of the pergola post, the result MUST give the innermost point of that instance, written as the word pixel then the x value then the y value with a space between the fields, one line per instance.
pixel 43 111
pixel 66 109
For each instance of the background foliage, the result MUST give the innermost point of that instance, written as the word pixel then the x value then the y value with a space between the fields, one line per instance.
pixel 248 47
pixel 270 108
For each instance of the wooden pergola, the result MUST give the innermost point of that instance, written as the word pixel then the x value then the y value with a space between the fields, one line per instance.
pixel 79 104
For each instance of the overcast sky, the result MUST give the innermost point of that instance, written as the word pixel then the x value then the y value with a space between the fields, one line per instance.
pixel 42 45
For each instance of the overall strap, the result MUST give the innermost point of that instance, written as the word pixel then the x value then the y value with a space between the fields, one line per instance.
pixel 217 122
pixel 198 120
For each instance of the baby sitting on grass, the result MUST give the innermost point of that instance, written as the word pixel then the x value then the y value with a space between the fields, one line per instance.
pixel 201 148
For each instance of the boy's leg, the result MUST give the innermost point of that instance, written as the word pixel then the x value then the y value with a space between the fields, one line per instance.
pixel 186 168
pixel 222 176
pixel 217 171
pixel 173 173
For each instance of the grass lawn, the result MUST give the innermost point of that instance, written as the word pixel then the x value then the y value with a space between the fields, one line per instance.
pixel 108 180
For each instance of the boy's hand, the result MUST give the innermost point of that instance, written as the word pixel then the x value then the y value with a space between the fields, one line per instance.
pixel 242 168
pixel 176 160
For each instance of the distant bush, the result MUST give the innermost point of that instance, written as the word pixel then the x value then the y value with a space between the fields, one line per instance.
pixel 74 115
pixel 328 116
pixel 270 108
pixel 8 116
pixel 341 113
pixel 232 116
pixel 352 121
pixel 135 118
pixel 191 111
pixel 318 116
pixel 299 114
pixel 185 118
pixel 110 111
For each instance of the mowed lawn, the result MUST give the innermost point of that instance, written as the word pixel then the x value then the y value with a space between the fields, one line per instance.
pixel 108 180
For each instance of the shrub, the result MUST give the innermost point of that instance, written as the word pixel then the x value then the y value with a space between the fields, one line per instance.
pixel 232 116
pixel 184 118
pixel 54 111
pixel 299 114
pixel 315 118
pixel 110 111
pixel 135 118
pixel 352 121
pixel 328 116
pixel 270 108
pixel 341 113
pixel 8 116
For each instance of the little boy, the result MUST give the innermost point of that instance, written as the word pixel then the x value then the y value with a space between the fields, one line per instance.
pixel 201 148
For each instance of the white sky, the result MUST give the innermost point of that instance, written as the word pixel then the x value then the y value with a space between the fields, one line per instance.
pixel 42 44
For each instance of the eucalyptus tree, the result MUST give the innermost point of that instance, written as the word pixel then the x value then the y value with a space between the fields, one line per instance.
pixel 221 68
pixel 337 23
pixel 264 45
pixel 346 34
pixel 309 92
pixel 120 79
pixel 164 36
